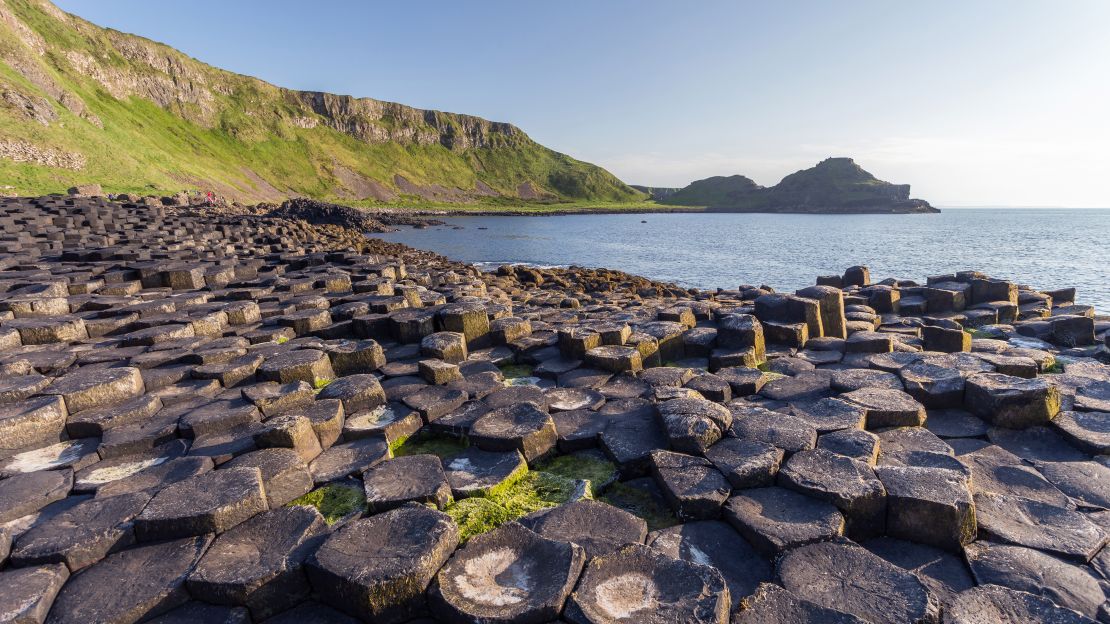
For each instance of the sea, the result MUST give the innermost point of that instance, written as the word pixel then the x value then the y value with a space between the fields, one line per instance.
pixel 1047 248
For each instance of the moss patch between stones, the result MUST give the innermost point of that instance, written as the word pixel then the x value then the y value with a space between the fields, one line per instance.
pixel 442 447
pixel 599 472
pixel 640 503
pixel 334 501
pixel 532 491
pixel 516 371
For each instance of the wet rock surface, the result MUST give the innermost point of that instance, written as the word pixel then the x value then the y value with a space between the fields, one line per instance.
pixel 176 389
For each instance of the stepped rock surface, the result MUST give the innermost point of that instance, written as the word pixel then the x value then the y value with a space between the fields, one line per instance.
pixel 274 417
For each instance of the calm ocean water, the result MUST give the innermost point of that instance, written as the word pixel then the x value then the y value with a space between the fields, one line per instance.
pixel 1045 248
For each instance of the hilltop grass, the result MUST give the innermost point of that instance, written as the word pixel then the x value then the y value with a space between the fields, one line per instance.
pixel 239 136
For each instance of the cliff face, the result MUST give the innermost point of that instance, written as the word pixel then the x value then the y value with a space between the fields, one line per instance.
pixel 835 185
pixel 138 116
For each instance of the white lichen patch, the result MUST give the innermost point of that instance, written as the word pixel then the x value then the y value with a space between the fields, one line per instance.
pixel 522 381
pixel 497 578
pixel 47 458
pixel 99 476
pixel 625 595
pixel 373 419
pixel 461 464
pixel 698 555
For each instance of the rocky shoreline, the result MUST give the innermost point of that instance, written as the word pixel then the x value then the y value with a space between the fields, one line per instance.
pixel 266 416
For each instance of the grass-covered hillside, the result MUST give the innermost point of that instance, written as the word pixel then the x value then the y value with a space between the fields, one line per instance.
pixel 714 191
pixel 83 104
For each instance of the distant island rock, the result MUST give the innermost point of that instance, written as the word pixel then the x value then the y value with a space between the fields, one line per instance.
pixel 833 186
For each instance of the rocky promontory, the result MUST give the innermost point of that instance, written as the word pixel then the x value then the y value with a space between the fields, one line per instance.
pixel 833 186
pixel 216 417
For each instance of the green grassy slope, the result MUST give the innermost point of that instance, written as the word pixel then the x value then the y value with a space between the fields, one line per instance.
pixel 713 191
pixel 138 116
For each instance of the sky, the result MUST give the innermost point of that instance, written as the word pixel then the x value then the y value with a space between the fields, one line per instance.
pixel 984 103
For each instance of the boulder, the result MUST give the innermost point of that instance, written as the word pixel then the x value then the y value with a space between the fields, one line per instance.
pixel 716 544
pixel 271 579
pixel 156 584
pixel 993 603
pixel 379 567
pixel 81 535
pixel 597 527
pixel 1041 574
pixel 1011 402
pixel 29 592
pixel 772 604
pixel 510 574
pixel 522 427
pixel 888 408
pixel 776 519
pixel 211 502
pixel 693 487
pixel 928 505
pixel 415 478
pixel 27 493
pixel 1057 530
pixel 849 484
pixel 636 583
pixel 843 576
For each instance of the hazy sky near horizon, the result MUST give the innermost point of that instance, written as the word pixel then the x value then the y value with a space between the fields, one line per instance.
pixel 991 102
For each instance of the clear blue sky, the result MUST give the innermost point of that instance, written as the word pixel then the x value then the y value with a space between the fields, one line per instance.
pixel 999 102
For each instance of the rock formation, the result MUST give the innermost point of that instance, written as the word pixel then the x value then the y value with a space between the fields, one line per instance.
pixel 833 186
pixel 250 417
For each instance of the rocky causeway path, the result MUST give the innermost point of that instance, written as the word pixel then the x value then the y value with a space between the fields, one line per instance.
pixel 210 417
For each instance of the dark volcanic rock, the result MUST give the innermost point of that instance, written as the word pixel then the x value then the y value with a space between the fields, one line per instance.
pixel 523 427
pixel 714 543
pixel 844 576
pixel 507 575
pixel 257 564
pixel 82 535
pixel 415 478
pixel 993 603
pixel 597 527
pixel 849 484
pixel 888 408
pixel 1025 569
pixel 1039 525
pixel 156 578
pixel 27 493
pixel 475 472
pixel 694 488
pixel 944 573
pixel 775 519
pixel 928 505
pixel 212 502
pixel 1011 401
pixel 772 604
pixel 28 593
pixel 639 584
pixel 378 567
pixel 746 463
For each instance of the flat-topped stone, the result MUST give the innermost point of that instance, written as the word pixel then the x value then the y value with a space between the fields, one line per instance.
pixel 641 583
pixel 775 519
pixel 379 567
pixel 270 579
pixel 510 574
pixel 211 502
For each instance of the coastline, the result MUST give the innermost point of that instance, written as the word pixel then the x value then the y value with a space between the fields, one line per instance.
pixel 243 375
